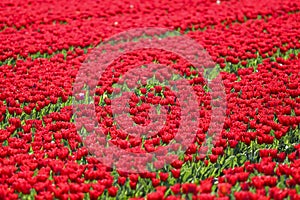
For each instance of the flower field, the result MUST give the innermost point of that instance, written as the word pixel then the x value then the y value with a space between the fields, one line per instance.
pixel 239 141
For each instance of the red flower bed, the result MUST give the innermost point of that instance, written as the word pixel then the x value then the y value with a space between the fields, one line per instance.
pixel 43 154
